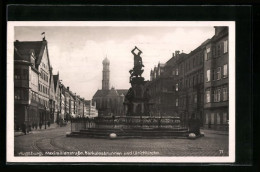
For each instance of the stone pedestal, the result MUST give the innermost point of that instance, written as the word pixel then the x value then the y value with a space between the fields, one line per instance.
pixel 137 99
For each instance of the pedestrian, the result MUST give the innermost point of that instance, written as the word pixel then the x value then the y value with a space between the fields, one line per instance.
pixel 49 123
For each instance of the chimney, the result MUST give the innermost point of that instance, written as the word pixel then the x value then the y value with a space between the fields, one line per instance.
pixel 218 29
pixel 177 53
pixel 172 54
pixel 68 88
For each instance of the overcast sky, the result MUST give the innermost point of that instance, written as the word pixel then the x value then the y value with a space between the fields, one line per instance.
pixel 77 52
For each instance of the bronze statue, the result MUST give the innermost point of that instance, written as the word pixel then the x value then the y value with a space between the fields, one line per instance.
pixel 138 63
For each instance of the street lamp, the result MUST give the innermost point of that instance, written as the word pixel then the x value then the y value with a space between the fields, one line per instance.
pixel 75 100
pixel 45 116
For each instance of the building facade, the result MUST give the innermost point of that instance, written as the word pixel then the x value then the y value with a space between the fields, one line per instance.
pixel 195 85
pixel 39 96
pixel 216 57
pixel 25 89
pixel 52 97
pixel 31 83
pixel 90 110
pixel 57 92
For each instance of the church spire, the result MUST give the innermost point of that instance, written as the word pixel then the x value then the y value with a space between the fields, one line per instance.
pixel 106 74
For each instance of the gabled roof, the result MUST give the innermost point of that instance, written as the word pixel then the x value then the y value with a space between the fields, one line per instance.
pixel 55 80
pixel 205 42
pixel 121 91
pixel 101 93
pixel 112 93
pixel 25 48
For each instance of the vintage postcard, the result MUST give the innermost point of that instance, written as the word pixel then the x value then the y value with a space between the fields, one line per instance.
pixel 149 92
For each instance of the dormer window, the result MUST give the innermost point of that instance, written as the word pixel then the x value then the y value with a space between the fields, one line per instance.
pixel 32 59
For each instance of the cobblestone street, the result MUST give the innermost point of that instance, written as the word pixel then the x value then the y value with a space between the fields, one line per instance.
pixel 54 142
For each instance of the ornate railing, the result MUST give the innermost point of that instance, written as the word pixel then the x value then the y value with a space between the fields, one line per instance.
pixel 142 122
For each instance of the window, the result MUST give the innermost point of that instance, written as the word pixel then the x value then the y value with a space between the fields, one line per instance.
pixel 177 71
pixel 17 94
pixel 225 94
pixel 25 74
pixel 225 71
pixel 208 75
pixel 212 118
pixel 225 46
pixel 218 94
pixel 177 87
pixel 17 74
pixel 177 102
pixel 205 55
pixel 195 98
pixel 218 118
pixel 207 118
pixel 215 96
pixel 41 74
pixel 218 73
pixel 207 96
pixel 173 72
pixel 21 94
pixel 224 118
pixel 208 54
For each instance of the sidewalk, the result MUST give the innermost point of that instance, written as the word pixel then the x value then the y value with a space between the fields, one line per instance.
pixel 52 126
pixel 220 132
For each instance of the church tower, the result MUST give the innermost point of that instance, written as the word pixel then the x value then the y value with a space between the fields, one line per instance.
pixel 106 73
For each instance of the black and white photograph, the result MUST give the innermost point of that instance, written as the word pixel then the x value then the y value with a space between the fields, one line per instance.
pixel 121 91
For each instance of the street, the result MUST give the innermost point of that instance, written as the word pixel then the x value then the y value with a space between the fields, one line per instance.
pixel 53 142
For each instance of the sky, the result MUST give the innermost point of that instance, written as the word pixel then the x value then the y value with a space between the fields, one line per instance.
pixel 77 52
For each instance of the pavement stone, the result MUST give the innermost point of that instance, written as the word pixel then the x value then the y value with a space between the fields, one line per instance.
pixel 55 140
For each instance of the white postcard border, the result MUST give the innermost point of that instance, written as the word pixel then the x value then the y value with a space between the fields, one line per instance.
pixel 159 159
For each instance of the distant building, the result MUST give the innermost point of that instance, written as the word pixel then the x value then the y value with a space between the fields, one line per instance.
pixel 109 101
pixel 162 87
pixel 90 110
